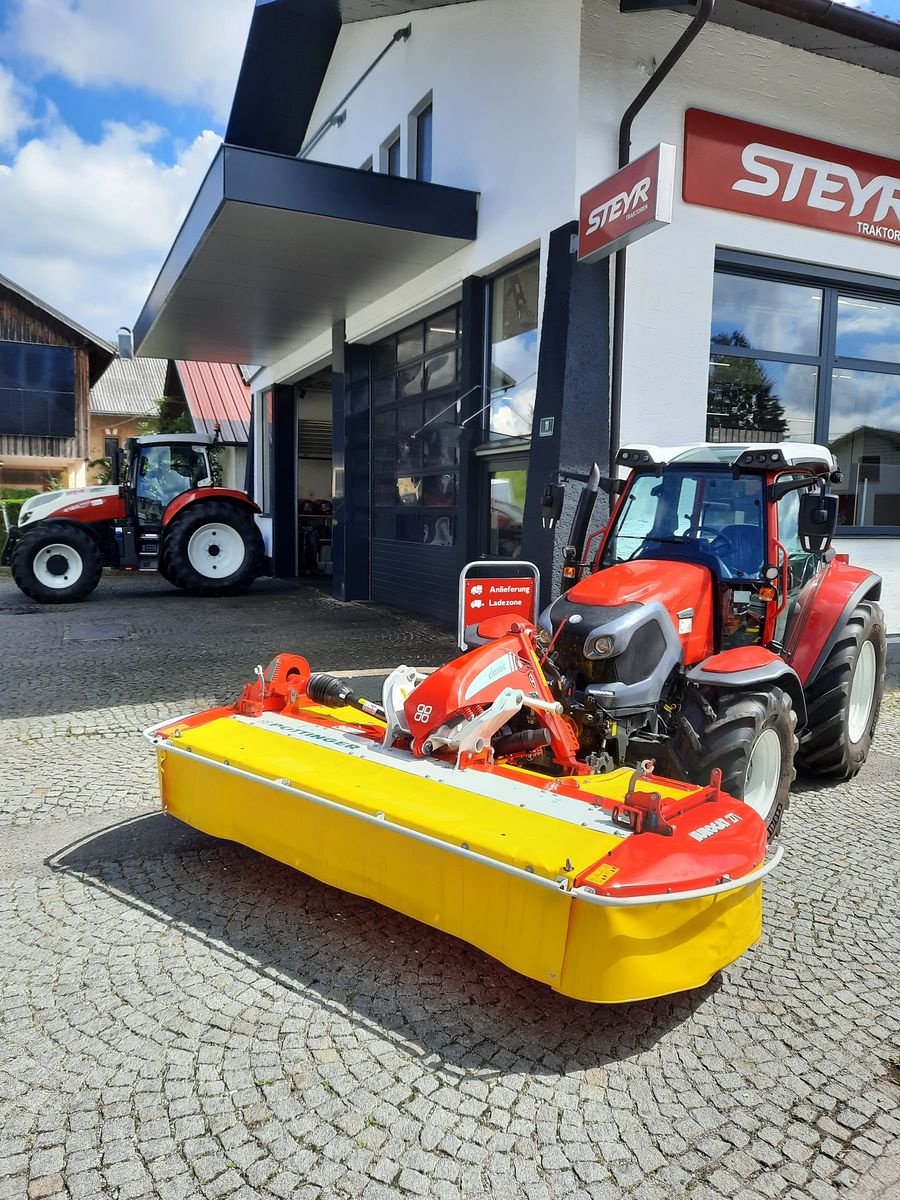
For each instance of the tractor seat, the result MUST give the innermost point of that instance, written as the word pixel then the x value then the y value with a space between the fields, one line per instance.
pixel 745 542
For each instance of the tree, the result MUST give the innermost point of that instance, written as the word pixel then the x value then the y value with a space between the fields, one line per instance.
pixel 741 393
pixel 172 416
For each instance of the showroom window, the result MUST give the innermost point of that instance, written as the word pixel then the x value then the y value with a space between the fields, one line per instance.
pixel 801 358
pixel 513 351
pixel 415 431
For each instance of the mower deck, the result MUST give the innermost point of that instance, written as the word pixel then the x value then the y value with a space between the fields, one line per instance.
pixel 546 875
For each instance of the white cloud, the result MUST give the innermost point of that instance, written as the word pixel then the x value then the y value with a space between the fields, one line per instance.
pixel 14 114
pixel 87 226
pixel 864 4
pixel 184 52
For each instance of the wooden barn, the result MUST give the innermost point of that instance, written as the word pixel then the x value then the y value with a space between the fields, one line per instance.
pixel 48 363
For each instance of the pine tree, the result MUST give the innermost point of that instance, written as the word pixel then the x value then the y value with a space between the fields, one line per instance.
pixel 741 393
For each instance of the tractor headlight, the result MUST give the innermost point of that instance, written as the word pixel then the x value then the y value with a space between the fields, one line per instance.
pixel 602 646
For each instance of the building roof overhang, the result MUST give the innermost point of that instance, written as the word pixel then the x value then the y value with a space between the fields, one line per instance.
pixel 833 30
pixel 290 43
pixel 275 249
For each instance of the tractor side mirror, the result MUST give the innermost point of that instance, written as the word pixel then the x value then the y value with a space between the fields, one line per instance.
pixel 817 521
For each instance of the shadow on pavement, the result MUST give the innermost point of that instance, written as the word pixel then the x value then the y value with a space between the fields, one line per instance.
pixel 424 989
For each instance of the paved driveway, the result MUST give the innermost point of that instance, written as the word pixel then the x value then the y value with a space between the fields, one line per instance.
pixel 183 1018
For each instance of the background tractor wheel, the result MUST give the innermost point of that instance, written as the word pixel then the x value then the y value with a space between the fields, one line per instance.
pixel 213 548
pixel 844 699
pixel 56 563
pixel 751 739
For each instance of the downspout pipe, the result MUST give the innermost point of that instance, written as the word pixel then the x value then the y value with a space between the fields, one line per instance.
pixel 699 19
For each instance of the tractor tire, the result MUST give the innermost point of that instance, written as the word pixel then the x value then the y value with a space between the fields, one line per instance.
pixel 844 699
pixel 163 568
pixel 213 548
pixel 751 739
pixel 56 562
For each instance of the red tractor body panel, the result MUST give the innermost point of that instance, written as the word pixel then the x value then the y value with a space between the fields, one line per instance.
pixel 90 509
pixel 681 587
pixel 206 493
pixel 742 658
pixel 823 607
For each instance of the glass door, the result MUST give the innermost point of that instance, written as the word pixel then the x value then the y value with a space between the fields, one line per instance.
pixel 505 484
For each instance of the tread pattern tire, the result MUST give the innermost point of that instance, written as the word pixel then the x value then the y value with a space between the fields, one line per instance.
pixel 179 570
pixel 826 748
pixel 48 533
pixel 729 734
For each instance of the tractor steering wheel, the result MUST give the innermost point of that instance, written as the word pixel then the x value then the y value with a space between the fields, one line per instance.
pixel 722 546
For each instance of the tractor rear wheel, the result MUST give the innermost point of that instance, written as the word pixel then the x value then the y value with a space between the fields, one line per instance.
pixel 844 699
pixel 751 739
pixel 56 563
pixel 213 548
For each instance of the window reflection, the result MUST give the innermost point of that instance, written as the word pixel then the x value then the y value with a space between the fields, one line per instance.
pixel 507 509
pixel 416 455
pixel 761 390
pixel 514 350
pixel 864 436
pixel 767 314
pixel 868 328
pixel 756 400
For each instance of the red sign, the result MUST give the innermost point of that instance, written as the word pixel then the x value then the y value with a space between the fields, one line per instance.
pixel 627 206
pixel 782 176
pixel 493 589
pixel 488 597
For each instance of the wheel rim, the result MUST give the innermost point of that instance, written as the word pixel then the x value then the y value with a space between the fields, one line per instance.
pixel 57 566
pixel 862 693
pixel 763 773
pixel 216 551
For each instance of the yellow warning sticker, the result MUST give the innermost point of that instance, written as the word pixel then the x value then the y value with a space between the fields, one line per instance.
pixel 602 875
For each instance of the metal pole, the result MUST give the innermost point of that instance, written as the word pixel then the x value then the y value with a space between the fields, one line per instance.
pixel 400 36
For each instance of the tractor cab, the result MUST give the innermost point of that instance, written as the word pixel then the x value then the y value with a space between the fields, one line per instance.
pixel 157 469
pixel 724 521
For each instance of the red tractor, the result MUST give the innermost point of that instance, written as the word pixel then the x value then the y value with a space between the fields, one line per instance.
pixel 162 512
pixel 710 623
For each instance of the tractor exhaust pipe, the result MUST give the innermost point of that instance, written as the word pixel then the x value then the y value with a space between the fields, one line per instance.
pixel 572 564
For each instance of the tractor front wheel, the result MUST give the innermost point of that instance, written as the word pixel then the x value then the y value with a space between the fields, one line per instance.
pixel 844 699
pixel 751 739
pixel 213 548
pixel 56 563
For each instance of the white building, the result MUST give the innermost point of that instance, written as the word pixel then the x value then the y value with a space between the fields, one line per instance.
pixel 391 220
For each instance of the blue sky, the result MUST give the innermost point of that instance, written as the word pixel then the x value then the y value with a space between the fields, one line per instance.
pixel 110 113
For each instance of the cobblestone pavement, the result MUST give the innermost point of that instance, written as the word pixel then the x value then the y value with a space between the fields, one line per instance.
pixel 183 1018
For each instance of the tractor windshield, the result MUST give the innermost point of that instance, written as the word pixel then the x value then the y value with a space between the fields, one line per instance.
pixel 696 515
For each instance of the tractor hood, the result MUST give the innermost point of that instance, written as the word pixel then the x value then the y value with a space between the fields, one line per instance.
pixel 675 585
pixel 76 502
pixel 627 627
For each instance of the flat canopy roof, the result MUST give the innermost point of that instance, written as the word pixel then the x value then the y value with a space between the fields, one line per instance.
pixel 276 249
